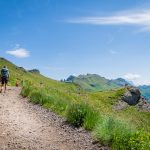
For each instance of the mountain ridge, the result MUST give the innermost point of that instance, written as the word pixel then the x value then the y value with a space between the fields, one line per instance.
pixel 95 82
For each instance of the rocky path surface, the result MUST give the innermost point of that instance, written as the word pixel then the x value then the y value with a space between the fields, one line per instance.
pixel 24 126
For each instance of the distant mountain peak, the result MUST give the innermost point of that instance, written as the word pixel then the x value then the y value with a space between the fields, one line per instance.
pixel 121 82
pixel 71 78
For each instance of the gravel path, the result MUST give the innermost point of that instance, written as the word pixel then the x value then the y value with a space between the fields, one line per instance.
pixel 24 126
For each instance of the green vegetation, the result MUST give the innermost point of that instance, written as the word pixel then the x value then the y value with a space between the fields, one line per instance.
pixel 82 115
pixel 76 114
pixel 114 132
pixel 94 112
pixel 124 129
pixel 140 140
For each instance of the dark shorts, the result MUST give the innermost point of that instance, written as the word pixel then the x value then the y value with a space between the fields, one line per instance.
pixel 4 80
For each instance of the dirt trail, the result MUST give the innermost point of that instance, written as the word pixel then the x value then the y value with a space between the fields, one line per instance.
pixel 30 127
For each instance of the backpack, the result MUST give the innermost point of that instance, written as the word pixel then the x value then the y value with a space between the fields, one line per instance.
pixel 5 72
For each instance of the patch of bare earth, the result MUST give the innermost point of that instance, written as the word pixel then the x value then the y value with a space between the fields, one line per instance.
pixel 30 127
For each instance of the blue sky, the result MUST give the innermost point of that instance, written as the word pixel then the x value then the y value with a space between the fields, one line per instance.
pixel 62 37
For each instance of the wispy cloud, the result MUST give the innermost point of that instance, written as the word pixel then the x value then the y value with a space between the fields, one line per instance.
pixel 132 17
pixel 132 76
pixel 135 78
pixel 19 53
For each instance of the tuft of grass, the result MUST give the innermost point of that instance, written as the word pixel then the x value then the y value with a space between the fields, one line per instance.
pixel 37 97
pixel 76 114
pixel 82 115
pixel 91 119
pixel 113 132
pixel 26 91
pixel 59 108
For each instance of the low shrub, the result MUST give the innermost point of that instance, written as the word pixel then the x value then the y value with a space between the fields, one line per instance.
pixel 76 114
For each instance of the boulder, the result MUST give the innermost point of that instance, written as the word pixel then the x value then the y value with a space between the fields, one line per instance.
pixel 132 95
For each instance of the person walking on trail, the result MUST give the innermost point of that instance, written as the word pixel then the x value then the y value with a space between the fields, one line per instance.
pixel 4 78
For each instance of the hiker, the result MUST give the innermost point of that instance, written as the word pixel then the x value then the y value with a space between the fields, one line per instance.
pixel 4 78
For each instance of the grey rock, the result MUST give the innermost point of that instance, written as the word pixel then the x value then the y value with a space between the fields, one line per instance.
pixel 132 95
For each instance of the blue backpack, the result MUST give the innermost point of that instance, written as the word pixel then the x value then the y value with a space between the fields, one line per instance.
pixel 5 72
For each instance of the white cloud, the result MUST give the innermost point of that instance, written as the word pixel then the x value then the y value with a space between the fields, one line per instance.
pixel 132 17
pixel 135 78
pixel 132 76
pixel 19 52
pixel 143 83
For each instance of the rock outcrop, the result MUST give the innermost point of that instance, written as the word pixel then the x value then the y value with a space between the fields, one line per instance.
pixel 132 95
